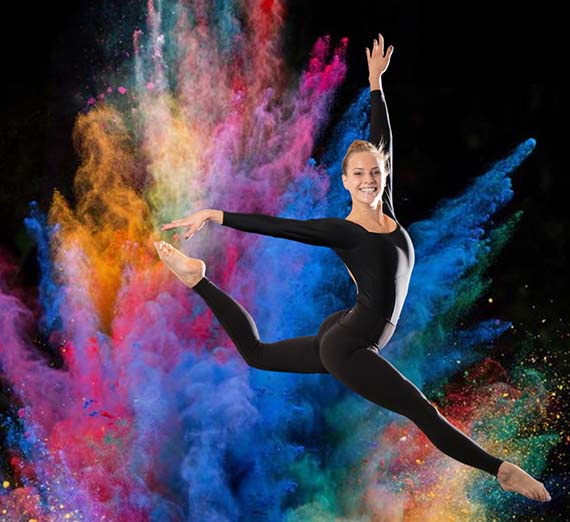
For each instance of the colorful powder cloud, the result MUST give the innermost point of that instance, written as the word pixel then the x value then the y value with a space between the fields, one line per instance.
pixel 127 399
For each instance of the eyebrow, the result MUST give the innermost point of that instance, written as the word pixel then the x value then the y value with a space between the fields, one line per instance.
pixel 360 168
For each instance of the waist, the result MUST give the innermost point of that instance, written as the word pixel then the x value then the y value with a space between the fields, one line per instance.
pixel 373 312
pixel 368 323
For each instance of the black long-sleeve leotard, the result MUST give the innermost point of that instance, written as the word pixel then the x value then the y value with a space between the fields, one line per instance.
pixel 348 342
pixel 380 264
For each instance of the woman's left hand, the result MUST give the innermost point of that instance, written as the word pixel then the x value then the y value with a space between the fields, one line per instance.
pixel 377 62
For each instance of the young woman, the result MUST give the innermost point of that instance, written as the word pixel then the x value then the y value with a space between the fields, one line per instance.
pixel 379 256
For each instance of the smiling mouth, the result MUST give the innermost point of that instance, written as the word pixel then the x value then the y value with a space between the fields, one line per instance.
pixel 371 190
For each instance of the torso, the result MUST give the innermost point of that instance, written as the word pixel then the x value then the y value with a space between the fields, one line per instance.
pixel 381 266
pixel 393 227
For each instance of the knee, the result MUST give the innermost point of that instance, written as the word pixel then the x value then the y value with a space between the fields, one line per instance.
pixel 418 407
pixel 426 409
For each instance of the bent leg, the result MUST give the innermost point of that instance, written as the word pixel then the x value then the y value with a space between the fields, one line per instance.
pixel 364 370
pixel 298 354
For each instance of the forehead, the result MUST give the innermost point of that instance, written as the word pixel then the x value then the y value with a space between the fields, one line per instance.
pixel 363 160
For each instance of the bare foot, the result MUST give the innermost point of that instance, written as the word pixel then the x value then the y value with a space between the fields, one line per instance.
pixel 188 269
pixel 513 478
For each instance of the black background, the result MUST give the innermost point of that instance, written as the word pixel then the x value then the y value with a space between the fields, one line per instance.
pixel 467 83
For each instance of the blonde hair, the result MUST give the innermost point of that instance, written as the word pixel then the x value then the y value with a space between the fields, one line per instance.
pixel 365 146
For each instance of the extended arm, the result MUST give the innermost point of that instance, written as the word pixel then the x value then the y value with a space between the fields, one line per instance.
pixel 381 136
pixel 328 232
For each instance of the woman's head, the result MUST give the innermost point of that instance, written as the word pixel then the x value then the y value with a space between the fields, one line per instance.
pixel 365 166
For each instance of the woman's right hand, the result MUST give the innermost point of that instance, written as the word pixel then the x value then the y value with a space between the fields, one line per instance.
pixel 377 62
pixel 194 222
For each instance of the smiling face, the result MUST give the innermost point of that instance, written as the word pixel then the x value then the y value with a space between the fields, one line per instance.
pixel 363 172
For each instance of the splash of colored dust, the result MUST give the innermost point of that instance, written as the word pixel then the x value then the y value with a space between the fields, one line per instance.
pixel 129 401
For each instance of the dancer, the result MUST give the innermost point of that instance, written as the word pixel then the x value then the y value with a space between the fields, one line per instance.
pixel 379 256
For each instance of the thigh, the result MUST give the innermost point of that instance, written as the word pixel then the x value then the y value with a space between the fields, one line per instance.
pixel 357 363
pixel 297 354
pixel 374 377
pixel 339 343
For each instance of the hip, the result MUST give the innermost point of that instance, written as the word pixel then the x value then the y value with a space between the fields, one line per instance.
pixel 367 323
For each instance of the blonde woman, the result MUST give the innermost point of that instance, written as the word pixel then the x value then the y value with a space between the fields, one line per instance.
pixel 379 256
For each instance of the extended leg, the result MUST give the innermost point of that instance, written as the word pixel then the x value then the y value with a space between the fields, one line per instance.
pixel 365 371
pixel 298 354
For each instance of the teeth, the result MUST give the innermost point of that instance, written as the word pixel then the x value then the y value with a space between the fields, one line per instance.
pixel 368 190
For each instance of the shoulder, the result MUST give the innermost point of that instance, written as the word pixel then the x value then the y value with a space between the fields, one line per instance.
pixel 335 222
pixel 347 235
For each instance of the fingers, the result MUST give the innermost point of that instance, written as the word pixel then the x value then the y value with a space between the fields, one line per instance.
pixel 180 223
pixel 187 235
pixel 172 224
pixel 378 45
pixel 191 231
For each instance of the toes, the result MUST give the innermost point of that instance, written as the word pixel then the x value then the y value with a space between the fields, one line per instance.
pixel 543 493
pixel 529 493
pixel 158 248
pixel 165 248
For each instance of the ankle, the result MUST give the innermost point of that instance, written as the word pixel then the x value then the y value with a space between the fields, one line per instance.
pixel 198 283
pixel 505 469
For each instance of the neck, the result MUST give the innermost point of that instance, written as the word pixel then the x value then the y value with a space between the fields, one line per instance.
pixel 369 214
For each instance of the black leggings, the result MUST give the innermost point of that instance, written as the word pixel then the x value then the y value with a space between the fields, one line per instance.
pixel 354 360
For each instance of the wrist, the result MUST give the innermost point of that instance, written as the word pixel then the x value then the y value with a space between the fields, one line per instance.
pixel 375 83
pixel 217 216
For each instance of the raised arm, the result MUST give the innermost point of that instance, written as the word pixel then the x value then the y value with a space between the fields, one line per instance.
pixel 381 136
pixel 328 232
pixel 380 130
